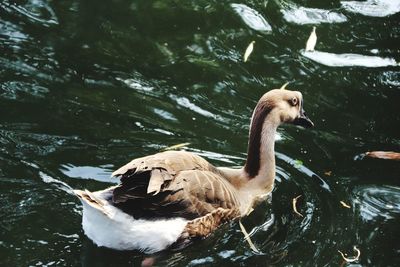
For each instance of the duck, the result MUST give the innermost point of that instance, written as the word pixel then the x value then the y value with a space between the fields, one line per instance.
pixel 169 199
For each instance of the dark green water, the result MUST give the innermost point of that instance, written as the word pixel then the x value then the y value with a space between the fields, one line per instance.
pixel 85 86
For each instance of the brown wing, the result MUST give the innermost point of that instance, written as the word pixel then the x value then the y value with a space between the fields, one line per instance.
pixel 163 166
pixel 172 184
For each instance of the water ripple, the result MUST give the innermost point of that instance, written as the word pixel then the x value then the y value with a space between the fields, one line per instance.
pixel 101 174
pixel 18 90
pixel 303 15
pixel 36 11
pixel 252 18
pixel 377 201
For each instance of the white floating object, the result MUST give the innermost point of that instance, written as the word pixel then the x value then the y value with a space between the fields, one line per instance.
pixel 135 84
pixel 348 60
pixel 283 87
pixel 373 8
pixel 303 15
pixel 251 17
pixel 312 40
pixel 248 51
pixel 352 259
pixel 247 237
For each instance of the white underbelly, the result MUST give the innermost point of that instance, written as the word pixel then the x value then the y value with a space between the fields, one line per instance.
pixel 118 230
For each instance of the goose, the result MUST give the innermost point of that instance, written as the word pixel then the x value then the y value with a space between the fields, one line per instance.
pixel 169 199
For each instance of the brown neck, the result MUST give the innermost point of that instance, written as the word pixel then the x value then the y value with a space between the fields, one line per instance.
pixel 260 161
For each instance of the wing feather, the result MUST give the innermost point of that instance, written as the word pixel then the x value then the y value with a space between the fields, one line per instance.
pixel 172 184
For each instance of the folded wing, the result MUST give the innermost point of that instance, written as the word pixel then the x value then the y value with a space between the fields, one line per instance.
pixel 172 184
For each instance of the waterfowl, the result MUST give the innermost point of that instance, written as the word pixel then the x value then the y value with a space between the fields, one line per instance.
pixel 169 198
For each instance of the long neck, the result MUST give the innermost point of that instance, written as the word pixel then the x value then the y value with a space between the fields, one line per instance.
pixel 260 163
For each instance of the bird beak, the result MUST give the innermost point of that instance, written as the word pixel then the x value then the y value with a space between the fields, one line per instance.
pixel 302 119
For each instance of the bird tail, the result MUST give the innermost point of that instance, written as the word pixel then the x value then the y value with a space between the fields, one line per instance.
pixel 92 200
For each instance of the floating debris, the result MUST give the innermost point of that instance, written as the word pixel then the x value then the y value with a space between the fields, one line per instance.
pixel 312 40
pixel 249 211
pixel 297 163
pixel 283 87
pixel 383 155
pixel 348 60
pixel 252 18
pixel 352 259
pixel 174 147
pixel 328 173
pixel 303 15
pixel 373 8
pixel 247 237
pixel 345 205
pixel 294 202
pixel 248 51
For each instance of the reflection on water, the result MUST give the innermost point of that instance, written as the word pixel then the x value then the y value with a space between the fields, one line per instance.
pixel 373 8
pixel 85 86
pixel 349 60
pixel 303 15
pixel 252 18
pixel 374 202
pixel 88 172
pixel 36 11
pixel 391 78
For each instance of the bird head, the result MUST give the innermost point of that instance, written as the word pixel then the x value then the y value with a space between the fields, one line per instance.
pixel 285 106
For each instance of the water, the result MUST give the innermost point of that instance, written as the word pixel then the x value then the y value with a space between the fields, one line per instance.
pixel 86 86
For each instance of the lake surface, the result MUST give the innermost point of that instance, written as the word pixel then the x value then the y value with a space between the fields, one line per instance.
pixel 85 86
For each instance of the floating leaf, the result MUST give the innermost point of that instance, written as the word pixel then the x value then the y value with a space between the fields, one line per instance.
pixel 353 259
pixel 298 163
pixel 247 237
pixel 328 173
pixel 345 205
pixel 383 155
pixel 249 211
pixel 248 51
pixel 284 86
pixel 294 202
pixel 312 40
pixel 176 146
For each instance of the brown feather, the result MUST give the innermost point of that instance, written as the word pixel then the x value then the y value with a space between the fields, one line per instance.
pixel 171 184
pixel 261 111
pixel 91 200
pixel 205 225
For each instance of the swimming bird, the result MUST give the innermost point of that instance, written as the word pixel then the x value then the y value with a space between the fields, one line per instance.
pixel 312 40
pixel 168 199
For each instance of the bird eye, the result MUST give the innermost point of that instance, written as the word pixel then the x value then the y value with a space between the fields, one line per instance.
pixel 294 101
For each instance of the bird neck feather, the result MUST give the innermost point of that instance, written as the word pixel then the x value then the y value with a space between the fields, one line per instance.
pixel 260 163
